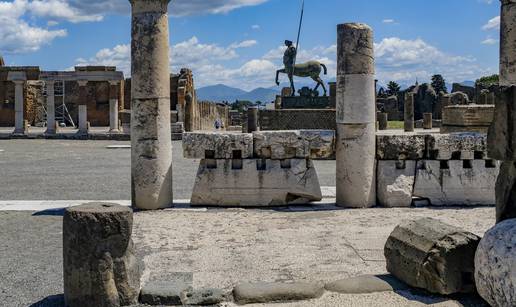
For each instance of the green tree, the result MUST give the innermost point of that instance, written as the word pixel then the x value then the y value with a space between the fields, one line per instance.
pixel 487 81
pixel 439 84
pixel 241 105
pixel 393 88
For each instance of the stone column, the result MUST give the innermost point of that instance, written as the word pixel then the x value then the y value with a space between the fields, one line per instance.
pixel 151 150
pixel 356 117
pixel 427 121
pixel 383 121
pixel 409 112
pixel 508 43
pixel 83 107
pixel 51 108
pixel 113 107
pixel 18 107
pixel 252 119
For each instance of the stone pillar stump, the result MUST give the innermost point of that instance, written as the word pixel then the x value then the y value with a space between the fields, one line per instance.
pixel 100 268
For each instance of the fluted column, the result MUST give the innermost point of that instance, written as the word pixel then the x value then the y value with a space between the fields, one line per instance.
pixel 150 94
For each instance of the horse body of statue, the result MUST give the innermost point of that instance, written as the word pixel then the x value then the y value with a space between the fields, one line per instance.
pixel 310 69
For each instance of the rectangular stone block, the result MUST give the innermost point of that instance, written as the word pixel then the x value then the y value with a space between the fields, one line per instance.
pixel 395 182
pixel 457 182
pixel 468 115
pixel 502 137
pixel 255 183
pixel 400 147
pixel 217 145
pixel 294 144
pixel 463 146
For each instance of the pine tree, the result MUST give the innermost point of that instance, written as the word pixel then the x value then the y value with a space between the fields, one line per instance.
pixel 439 84
pixel 393 88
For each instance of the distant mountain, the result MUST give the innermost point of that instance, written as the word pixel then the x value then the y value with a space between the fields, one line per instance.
pixel 222 92
pixel 468 83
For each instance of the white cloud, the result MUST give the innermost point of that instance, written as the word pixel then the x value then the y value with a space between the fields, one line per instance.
pixel 244 44
pixel 255 27
pixel 492 24
pixel 486 1
pixel 388 21
pixel 489 41
pixel 17 35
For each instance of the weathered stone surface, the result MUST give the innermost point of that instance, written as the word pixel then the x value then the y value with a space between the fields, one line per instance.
pixel 383 121
pixel 506 192
pixel 395 182
pixel 463 146
pixel 408 116
pixel 432 255
pixel 366 284
pixel 163 292
pixel 248 293
pixel 456 182
pixel 502 137
pixel 301 144
pixel 469 115
pixel 400 147
pixel 495 267
pixel 202 297
pixel 508 43
pixel 217 145
pixel 255 183
pixel 357 53
pixel 100 268
pixel 459 98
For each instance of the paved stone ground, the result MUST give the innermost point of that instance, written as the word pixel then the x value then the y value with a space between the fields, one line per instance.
pixel 222 247
pixel 71 170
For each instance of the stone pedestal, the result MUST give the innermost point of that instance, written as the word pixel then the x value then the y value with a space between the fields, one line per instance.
pixel 427 121
pixel 508 43
pixel 18 107
pixel 100 268
pixel 409 113
pixel 252 119
pixel 113 107
pixel 356 117
pixel 51 108
pixel 151 145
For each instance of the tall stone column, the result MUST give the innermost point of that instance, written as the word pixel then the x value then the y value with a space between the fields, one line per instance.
pixel 252 119
pixel 113 107
pixel 409 112
pixel 51 107
pixel 151 150
pixel 18 107
pixel 356 117
pixel 508 43
pixel 83 107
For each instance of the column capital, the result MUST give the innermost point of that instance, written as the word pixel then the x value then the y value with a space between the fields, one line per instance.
pixel 19 82
pixel 82 82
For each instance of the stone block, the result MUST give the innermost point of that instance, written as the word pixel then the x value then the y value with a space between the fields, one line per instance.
pixel 100 268
pixel 495 269
pixel 217 145
pixel 366 284
pixel 255 183
pixel 506 192
pixel 163 292
pixel 468 115
pixel 502 137
pixel 400 147
pixel 395 182
pixel 456 182
pixel 463 146
pixel 431 255
pixel 248 293
pixel 203 297
pixel 294 144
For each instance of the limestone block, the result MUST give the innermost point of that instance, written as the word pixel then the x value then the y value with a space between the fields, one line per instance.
pixel 217 145
pixel 400 147
pixel 294 144
pixel 354 96
pixel 431 255
pixel 395 182
pixel 255 183
pixel 502 137
pixel 461 146
pixel 100 268
pixel 506 192
pixel 495 269
pixel 456 182
pixel 468 115
pixel 247 293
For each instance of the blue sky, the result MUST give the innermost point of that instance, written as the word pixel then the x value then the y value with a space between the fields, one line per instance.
pixel 239 42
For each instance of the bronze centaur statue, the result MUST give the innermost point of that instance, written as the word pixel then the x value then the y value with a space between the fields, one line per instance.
pixel 310 69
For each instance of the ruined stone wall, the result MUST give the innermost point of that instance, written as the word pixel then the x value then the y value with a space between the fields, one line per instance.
pixel 206 113
pixel 33 97
pixel 297 119
pixel 468 90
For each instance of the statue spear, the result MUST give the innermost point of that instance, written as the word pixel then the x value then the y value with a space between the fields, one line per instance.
pixel 299 30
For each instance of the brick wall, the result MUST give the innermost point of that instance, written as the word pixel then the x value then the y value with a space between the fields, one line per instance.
pixel 297 119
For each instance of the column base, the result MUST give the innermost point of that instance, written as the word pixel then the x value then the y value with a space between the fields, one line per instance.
pixel 20 132
pixel 114 131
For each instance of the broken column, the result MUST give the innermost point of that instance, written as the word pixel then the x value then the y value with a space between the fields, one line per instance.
pixel 427 121
pixel 356 118
pixel 99 265
pixel 151 150
pixel 508 43
pixel 409 112
pixel 83 107
pixel 18 78
pixel 383 121
pixel 51 107
pixel 113 107
pixel 252 119
pixel 431 255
